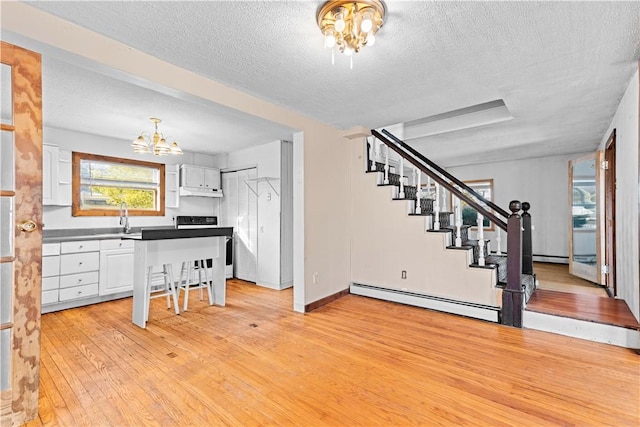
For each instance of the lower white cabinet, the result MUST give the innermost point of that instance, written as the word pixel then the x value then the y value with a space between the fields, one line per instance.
pixel 76 270
pixel 116 266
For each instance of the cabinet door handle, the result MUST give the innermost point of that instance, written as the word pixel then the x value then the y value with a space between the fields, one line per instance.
pixel 80 247
pixel 79 280
pixel 80 263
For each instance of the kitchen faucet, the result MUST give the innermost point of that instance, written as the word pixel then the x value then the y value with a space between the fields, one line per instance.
pixel 124 219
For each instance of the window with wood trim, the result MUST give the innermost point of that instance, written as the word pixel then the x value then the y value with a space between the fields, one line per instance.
pixel 101 184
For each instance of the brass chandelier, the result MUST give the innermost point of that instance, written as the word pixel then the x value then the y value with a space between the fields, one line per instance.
pixel 350 25
pixel 156 143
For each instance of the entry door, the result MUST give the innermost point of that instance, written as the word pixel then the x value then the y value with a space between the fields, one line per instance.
pixel 610 214
pixel 585 239
pixel 240 211
pixel 20 232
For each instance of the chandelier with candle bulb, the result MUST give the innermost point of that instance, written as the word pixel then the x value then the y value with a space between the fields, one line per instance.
pixel 350 25
pixel 156 143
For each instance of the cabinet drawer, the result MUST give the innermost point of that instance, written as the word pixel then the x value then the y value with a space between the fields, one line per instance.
pixel 50 249
pixel 50 297
pixel 50 266
pixel 78 292
pixel 116 244
pixel 82 246
pixel 78 279
pixel 50 283
pixel 79 263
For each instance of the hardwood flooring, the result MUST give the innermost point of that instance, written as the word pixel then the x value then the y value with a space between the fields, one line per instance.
pixel 562 294
pixel 355 361
pixel 556 277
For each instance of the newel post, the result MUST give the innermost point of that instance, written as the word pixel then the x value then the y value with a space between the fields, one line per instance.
pixel 512 295
pixel 527 244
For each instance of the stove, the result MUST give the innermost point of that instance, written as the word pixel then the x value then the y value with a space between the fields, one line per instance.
pixel 195 221
pixel 185 222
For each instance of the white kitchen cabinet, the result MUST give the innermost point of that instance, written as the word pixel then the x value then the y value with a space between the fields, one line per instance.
pixel 200 181
pixel 79 269
pixel 50 272
pixel 116 266
pixel 49 175
pixel 56 176
pixel 171 186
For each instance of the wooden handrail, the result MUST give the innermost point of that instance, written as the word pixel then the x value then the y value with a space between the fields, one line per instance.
pixel 418 163
pixel 443 172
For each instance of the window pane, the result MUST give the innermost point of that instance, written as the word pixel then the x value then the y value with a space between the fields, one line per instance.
pixel 6 226
pixel 6 104
pixel 126 174
pixel 6 292
pixel 5 358
pixel 110 197
pixel 6 161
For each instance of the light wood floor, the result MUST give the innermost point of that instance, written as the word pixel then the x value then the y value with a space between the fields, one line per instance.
pixel 356 361
pixel 556 277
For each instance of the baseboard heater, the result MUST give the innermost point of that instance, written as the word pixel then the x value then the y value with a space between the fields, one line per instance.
pixel 477 311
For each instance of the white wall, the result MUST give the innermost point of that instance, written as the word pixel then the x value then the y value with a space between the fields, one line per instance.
pixel 57 217
pixel 543 182
pixel 626 123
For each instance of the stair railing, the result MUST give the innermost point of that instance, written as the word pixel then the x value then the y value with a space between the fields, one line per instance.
pixel 518 238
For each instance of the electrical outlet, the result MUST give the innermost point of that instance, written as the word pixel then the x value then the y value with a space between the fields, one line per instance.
pixel 403 275
pixel 316 278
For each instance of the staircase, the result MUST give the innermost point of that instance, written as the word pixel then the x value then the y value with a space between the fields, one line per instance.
pixel 455 237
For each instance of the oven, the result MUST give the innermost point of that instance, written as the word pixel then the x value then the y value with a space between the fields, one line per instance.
pixel 188 221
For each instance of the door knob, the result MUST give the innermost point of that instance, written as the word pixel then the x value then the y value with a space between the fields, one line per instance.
pixel 28 226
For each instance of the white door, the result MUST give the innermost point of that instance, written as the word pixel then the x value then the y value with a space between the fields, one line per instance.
pixel 240 211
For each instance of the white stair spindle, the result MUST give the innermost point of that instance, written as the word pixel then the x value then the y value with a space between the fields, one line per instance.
pixel 415 172
pixel 372 154
pixel 401 195
pixel 436 209
pixel 428 185
pixel 458 216
pixel 418 191
pixel 480 240
pixel 498 240
pixel 386 165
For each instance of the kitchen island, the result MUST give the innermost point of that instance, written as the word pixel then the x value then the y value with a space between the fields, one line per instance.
pixel 155 247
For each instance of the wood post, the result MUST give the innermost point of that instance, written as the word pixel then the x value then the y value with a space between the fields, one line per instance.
pixel 527 249
pixel 512 295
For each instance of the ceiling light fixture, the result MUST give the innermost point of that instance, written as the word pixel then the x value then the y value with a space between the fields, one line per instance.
pixel 156 144
pixel 350 25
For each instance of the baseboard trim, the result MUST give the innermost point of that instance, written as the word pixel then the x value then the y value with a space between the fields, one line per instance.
pixel 591 331
pixel 462 308
pixel 326 300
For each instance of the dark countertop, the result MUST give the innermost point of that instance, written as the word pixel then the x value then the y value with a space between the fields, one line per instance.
pixel 174 233
pixel 139 233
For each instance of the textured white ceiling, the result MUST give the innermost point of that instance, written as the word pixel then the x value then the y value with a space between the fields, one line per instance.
pixel 560 67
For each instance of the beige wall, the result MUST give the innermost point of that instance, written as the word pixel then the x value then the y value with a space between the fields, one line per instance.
pixel 326 209
pixel 385 241
pixel 627 125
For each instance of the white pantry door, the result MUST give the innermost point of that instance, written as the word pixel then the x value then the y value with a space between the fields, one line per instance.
pixel 240 211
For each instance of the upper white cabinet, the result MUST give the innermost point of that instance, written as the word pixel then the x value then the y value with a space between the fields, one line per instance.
pixel 56 176
pixel 49 175
pixel 200 181
pixel 171 190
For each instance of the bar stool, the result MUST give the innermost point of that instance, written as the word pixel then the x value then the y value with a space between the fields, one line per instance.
pixel 187 281
pixel 168 290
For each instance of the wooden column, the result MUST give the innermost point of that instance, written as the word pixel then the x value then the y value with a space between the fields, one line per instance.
pixel 527 244
pixel 512 295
